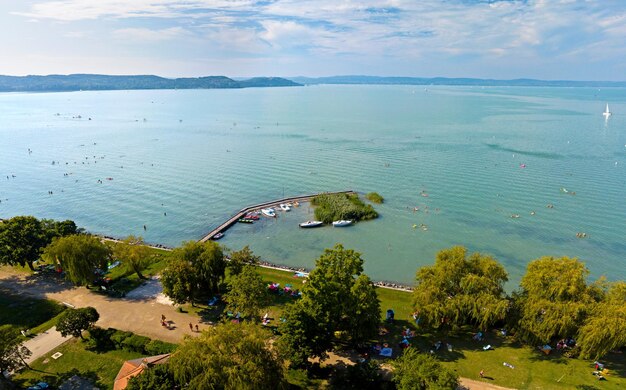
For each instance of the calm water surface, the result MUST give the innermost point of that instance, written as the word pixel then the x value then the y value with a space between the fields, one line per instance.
pixel 183 161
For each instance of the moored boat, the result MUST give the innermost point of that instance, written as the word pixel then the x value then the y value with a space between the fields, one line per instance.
pixel 269 212
pixel 253 216
pixel 341 223
pixel 217 236
pixel 285 207
pixel 310 224
pixel 245 220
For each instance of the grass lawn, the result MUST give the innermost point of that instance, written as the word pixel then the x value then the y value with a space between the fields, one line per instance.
pixel 28 313
pixel 125 280
pixel 101 368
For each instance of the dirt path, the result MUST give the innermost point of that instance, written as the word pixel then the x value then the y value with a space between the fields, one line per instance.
pixel 44 343
pixel 478 385
pixel 138 314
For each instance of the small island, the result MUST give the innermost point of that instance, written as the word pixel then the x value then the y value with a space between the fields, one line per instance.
pixel 375 197
pixel 334 207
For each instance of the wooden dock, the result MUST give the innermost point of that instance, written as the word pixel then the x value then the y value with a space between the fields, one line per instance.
pixel 232 220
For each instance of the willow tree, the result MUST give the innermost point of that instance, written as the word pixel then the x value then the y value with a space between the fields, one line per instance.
pixel 239 259
pixel 605 328
pixel 555 298
pixel 207 260
pixel 134 254
pixel 228 356
pixel 419 371
pixel 247 293
pixel 79 256
pixel 461 290
pixel 179 281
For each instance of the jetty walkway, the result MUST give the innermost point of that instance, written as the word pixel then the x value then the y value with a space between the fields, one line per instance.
pixel 232 220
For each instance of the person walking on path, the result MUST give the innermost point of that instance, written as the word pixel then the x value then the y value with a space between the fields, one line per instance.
pixel 190 327
pixel 197 330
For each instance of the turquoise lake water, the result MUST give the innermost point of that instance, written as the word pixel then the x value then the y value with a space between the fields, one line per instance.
pixel 480 154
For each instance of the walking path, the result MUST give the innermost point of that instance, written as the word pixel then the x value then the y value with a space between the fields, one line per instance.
pixel 478 385
pixel 44 343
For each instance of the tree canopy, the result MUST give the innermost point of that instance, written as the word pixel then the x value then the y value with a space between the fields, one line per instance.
pixel 179 281
pixel 337 297
pixel 228 356
pixel 418 371
pixel 605 328
pixel 133 253
pixel 158 377
pixel 22 238
pixel 555 298
pixel 12 352
pixel 240 258
pixel 74 321
pixel 79 256
pixel 208 261
pixel 247 293
pixel 459 290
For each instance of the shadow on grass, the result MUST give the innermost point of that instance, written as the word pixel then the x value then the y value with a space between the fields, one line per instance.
pixel 554 357
pixel 57 379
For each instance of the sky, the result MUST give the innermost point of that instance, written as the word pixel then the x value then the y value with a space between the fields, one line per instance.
pixel 542 39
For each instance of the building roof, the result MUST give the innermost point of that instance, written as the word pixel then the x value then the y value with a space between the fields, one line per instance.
pixel 134 367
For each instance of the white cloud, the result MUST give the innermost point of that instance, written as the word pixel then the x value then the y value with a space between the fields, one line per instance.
pixel 149 35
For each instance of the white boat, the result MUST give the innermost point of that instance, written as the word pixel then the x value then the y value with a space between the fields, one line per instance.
pixel 607 112
pixel 269 212
pixel 310 224
pixel 285 207
pixel 341 223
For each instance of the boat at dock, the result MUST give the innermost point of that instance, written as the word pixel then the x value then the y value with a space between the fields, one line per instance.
pixel 269 212
pixel 245 220
pixel 310 224
pixel 254 216
pixel 217 236
pixel 285 207
pixel 342 223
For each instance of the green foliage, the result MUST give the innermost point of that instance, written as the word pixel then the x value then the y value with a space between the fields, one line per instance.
pixel 333 207
pixel 605 328
pixel 135 343
pixel 179 281
pixel 460 290
pixel 79 256
pixel 74 321
pixel 134 254
pixel 417 371
pixel 118 338
pixel 555 299
pixel 158 377
pixel 228 356
pixel 336 298
pixel 375 197
pixel 100 339
pixel 12 352
pixel 362 375
pixel 247 293
pixel 240 258
pixel 158 347
pixel 22 238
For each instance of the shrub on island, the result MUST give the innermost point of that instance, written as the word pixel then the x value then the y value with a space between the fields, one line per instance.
pixel 375 197
pixel 333 207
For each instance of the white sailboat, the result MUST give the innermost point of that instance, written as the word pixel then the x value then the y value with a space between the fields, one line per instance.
pixel 607 112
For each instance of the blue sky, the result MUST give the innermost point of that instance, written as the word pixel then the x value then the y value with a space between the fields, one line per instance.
pixel 545 39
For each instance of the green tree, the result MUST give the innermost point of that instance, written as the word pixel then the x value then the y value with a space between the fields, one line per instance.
pixel 134 254
pixel 12 352
pixel 605 328
pixel 158 377
pixel 460 290
pixel 418 371
pixel 79 257
pixel 54 228
pixel 338 298
pixel 21 241
pixel 179 281
pixel 555 298
pixel 208 262
pixel 74 321
pixel 228 356
pixel 305 333
pixel 241 258
pixel 247 293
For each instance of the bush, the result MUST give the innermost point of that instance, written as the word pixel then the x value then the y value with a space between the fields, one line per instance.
pixel 118 338
pixel 135 343
pixel 158 347
pixel 333 207
pixel 374 197
pixel 100 340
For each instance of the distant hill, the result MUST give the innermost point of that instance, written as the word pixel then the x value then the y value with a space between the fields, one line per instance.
pixel 95 82
pixel 453 81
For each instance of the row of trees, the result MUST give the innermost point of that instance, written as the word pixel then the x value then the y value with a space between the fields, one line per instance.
pixel 555 300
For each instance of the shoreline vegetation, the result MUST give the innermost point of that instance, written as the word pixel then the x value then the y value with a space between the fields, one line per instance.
pixel 375 197
pixel 334 207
